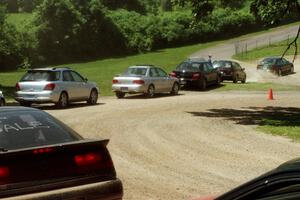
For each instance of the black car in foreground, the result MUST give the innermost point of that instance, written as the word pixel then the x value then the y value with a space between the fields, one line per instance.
pixel 230 70
pixel 282 183
pixel 43 159
pixel 196 72
pixel 276 65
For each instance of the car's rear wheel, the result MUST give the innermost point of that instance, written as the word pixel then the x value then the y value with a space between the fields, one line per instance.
pixel 120 95
pixel 175 89
pixel 93 97
pixel 203 84
pixel 2 103
pixel 63 100
pixel 151 91
pixel 25 103
pixel 279 72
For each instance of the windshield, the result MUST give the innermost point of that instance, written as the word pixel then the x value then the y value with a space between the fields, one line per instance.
pixel 223 64
pixel 138 71
pixel 32 128
pixel 270 61
pixel 194 67
pixel 41 76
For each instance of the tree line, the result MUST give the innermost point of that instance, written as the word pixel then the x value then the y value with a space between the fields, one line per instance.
pixel 64 31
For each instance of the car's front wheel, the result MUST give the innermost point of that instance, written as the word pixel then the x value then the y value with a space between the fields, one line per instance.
pixel 203 84
pixel 151 91
pixel 244 80
pixel 63 100
pixel 292 70
pixel 175 89
pixel 235 80
pixel 93 97
pixel 279 72
pixel 120 95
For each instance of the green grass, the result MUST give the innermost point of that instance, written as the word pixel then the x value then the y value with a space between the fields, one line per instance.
pixel 270 50
pixel 287 126
pixel 252 86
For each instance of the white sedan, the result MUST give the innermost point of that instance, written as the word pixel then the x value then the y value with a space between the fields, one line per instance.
pixel 145 79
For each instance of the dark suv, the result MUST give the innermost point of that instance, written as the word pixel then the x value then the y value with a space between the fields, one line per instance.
pixel 196 72
pixel 230 70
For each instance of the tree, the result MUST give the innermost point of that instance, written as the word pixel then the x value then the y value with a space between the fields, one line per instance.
pixel 265 11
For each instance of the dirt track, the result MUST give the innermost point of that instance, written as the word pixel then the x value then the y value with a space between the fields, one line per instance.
pixel 180 147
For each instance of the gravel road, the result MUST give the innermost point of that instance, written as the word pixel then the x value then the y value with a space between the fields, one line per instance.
pixel 193 144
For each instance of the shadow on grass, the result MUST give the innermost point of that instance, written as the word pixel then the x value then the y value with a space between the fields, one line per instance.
pixel 275 116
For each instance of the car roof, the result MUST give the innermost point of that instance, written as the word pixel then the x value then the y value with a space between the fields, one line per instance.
pixel 200 60
pixel 50 69
pixel 17 108
pixel 142 66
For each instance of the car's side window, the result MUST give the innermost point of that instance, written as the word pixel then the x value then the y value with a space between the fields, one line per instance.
pixel 67 76
pixel 280 62
pixel 77 77
pixel 153 73
pixel 208 67
pixel 161 73
pixel 237 67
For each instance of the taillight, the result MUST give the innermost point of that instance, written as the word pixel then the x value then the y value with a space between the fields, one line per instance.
pixel 49 86
pixel 114 81
pixel 18 87
pixel 196 76
pixel 173 74
pixel 4 172
pixel 140 82
pixel 43 150
pixel 87 159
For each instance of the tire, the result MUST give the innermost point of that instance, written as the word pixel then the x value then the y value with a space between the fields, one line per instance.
pixel 63 100
pixel 218 82
pixel 234 79
pixel 120 95
pixel 292 70
pixel 203 84
pixel 175 89
pixel 150 91
pixel 93 97
pixel 279 72
pixel 25 103
pixel 2 103
pixel 244 80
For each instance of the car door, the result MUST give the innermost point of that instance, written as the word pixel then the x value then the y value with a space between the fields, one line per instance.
pixel 155 79
pixel 238 72
pixel 81 88
pixel 68 85
pixel 211 73
pixel 165 80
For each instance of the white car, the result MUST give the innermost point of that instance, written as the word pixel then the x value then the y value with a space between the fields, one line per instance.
pixel 146 79
pixel 2 99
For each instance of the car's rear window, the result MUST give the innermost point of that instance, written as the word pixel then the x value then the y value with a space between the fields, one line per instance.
pixel 41 76
pixel 270 61
pixel 135 71
pixel 223 64
pixel 190 66
pixel 32 128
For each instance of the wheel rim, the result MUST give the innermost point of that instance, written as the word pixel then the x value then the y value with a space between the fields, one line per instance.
pixel 175 88
pixel 151 91
pixel 64 100
pixel 94 97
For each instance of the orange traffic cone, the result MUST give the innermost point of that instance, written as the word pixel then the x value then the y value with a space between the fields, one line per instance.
pixel 270 97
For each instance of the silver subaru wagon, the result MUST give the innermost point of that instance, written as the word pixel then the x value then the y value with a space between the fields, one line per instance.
pixel 55 85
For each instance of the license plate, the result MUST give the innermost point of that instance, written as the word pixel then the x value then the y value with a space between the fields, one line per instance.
pixel 124 89
pixel 30 96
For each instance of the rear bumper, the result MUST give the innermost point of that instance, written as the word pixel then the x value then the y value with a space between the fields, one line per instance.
pixel 108 190
pixel 37 97
pixel 130 88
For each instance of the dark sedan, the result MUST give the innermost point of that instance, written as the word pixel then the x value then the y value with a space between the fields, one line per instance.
pixel 282 183
pixel 230 70
pixel 43 159
pixel 276 65
pixel 196 72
